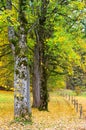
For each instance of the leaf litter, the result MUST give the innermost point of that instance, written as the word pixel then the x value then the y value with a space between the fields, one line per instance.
pixel 61 116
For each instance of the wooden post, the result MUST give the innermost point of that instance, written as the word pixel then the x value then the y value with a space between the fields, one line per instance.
pixel 69 97
pixel 76 105
pixel 80 110
pixel 72 99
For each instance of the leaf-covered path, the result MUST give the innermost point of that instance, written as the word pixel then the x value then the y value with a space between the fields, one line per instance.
pixel 61 116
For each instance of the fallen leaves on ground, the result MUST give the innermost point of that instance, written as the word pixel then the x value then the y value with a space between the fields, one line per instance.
pixel 61 116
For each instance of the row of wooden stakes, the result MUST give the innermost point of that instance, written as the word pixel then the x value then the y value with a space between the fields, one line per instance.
pixel 78 107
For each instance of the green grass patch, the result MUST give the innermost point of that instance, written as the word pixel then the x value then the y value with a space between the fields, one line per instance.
pixel 83 94
pixel 6 97
pixel 69 92
pixel 66 91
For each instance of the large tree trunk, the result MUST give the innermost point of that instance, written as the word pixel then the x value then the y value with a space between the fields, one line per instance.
pixel 40 73
pixel 40 93
pixel 21 73
pixel 21 78
pixel 36 78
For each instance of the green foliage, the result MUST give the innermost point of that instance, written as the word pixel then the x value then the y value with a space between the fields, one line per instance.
pixel 64 43
pixel 5 97
pixel 56 82
pixel 68 92
pixel 64 37
pixel 83 88
pixel 77 90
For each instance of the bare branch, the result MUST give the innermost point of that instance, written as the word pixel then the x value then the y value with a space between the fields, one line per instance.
pixel 32 27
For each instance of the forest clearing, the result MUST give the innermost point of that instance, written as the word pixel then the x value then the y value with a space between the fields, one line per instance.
pixel 61 115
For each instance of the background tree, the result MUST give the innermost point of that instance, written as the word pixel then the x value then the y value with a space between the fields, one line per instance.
pixel 65 58
pixel 40 95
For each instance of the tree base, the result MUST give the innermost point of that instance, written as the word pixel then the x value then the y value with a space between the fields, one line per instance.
pixel 43 107
pixel 26 119
pixel 22 120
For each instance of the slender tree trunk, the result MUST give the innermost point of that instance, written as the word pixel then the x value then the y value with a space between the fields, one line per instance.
pixel 43 77
pixel 21 73
pixel 43 89
pixel 36 68
pixel 40 93
pixel 42 59
pixel 36 78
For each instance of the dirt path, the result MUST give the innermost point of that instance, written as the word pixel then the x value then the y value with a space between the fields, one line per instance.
pixel 61 116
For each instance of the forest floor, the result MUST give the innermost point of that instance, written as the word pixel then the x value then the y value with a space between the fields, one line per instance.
pixel 61 115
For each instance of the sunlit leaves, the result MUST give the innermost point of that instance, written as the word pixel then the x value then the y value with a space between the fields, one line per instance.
pixel 78 5
pixel 64 29
pixel 62 46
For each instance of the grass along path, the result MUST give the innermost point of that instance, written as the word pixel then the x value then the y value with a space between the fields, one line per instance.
pixel 61 115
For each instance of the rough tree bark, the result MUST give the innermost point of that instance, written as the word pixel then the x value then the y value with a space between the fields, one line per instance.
pixel 22 80
pixel 40 93
pixel 21 73
pixel 36 78
pixel 43 70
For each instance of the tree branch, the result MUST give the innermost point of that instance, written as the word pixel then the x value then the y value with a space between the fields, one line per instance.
pixel 4 54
